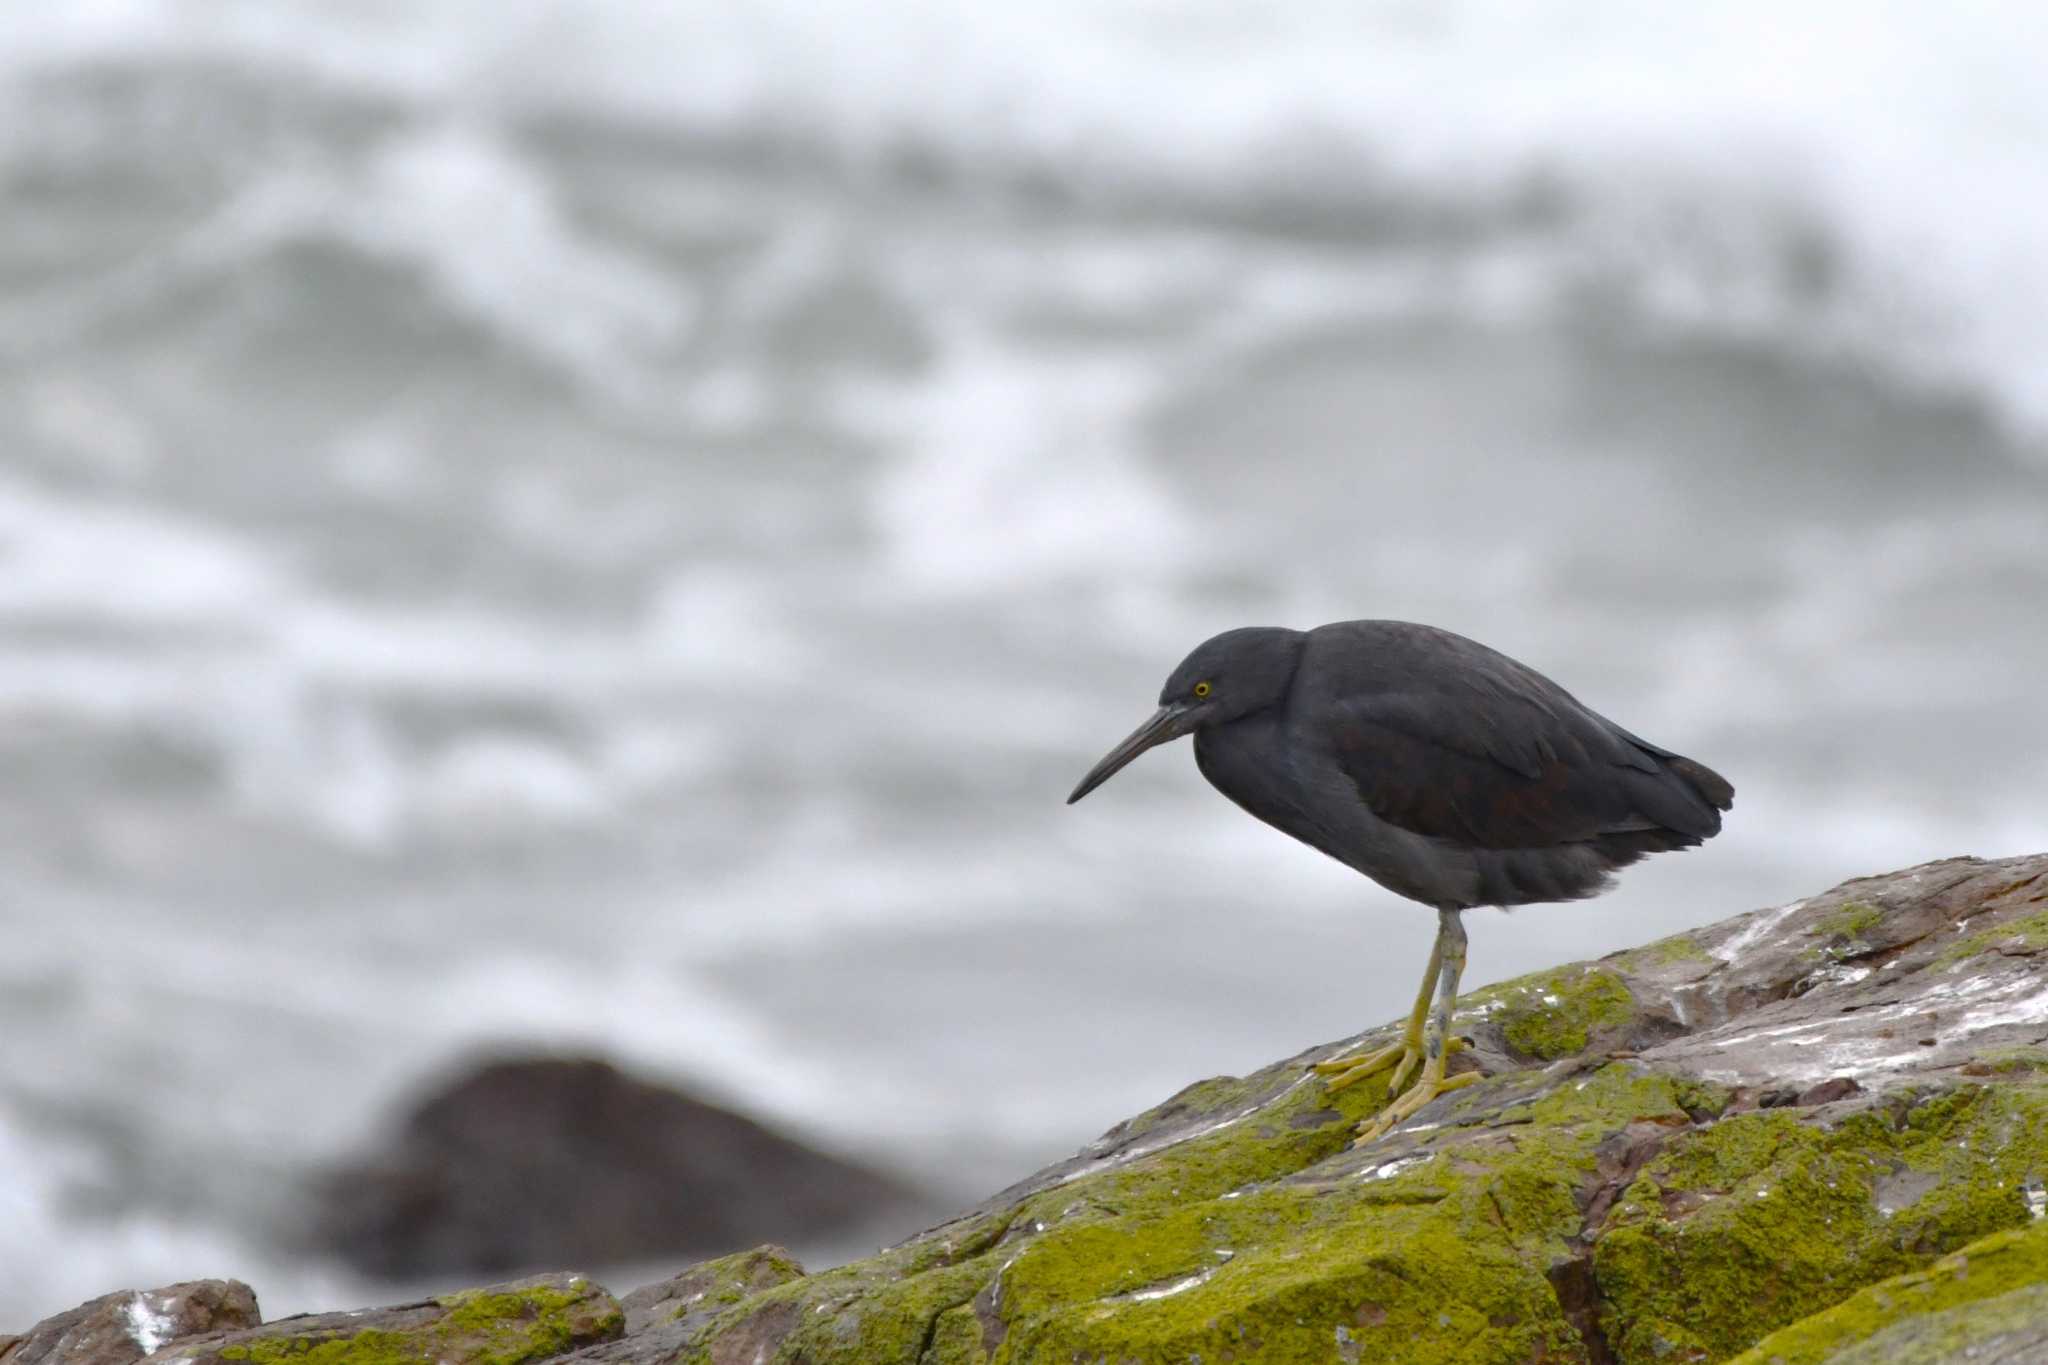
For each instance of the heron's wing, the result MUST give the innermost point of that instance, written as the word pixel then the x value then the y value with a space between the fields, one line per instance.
pixel 1501 758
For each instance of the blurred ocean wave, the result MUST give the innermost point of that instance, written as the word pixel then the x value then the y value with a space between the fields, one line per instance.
pixel 616 526
pixel 1858 176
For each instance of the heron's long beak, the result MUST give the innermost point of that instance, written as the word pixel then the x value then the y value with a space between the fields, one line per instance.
pixel 1168 722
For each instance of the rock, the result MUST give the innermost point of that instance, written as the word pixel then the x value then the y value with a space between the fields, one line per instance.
pixel 666 1321
pixel 1812 1133
pixel 528 1163
pixel 1986 1304
pixel 711 1285
pixel 530 1320
pixel 117 1328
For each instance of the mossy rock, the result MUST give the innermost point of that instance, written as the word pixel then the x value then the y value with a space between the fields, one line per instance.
pixel 1740 1227
pixel 1987 1302
pixel 692 1298
pixel 1462 1246
pixel 1675 1152
pixel 1561 1013
pixel 1268 1240
pixel 511 1324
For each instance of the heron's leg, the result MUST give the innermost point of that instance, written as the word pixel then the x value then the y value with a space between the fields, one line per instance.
pixel 1345 1071
pixel 1450 960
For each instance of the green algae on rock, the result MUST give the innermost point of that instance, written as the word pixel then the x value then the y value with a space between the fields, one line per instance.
pixel 699 1292
pixel 511 1324
pixel 2022 937
pixel 2011 1329
pixel 1739 1227
pixel 1994 1287
pixel 1849 920
pixel 1559 1013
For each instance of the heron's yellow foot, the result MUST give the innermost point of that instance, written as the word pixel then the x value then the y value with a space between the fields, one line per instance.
pixel 1344 1071
pixel 1433 1082
pixel 1403 1056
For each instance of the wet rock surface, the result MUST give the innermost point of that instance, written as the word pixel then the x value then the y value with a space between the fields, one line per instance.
pixel 703 1289
pixel 1812 1135
pixel 678 1318
pixel 541 1162
pixel 128 1325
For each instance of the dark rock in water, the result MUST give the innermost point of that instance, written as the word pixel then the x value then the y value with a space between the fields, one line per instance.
pixel 528 1163
pixel 530 1320
pixel 118 1328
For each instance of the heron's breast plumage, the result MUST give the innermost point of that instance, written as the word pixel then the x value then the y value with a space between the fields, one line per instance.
pixel 1274 772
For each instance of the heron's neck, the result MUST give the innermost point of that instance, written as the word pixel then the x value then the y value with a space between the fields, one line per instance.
pixel 1247 759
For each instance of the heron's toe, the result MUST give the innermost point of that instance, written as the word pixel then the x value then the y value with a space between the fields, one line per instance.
pixel 1403 1057
pixel 1344 1071
pixel 1401 1110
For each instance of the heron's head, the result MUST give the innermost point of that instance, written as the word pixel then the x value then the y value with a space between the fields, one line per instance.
pixel 1227 676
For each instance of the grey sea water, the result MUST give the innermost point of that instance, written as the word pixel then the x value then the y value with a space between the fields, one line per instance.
pixel 617 527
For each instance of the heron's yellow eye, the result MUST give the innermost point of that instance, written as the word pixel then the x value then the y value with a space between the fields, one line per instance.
pixel 1202 689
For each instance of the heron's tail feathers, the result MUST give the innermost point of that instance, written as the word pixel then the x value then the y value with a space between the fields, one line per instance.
pixel 1676 804
pixel 1716 790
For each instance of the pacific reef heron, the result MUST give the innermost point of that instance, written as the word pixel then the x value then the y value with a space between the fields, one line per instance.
pixel 1444 770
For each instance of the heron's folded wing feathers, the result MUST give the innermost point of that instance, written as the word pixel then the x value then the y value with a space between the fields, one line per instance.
pixel 1494 767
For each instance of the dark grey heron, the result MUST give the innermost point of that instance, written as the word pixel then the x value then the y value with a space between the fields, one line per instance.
pixel 1442 769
